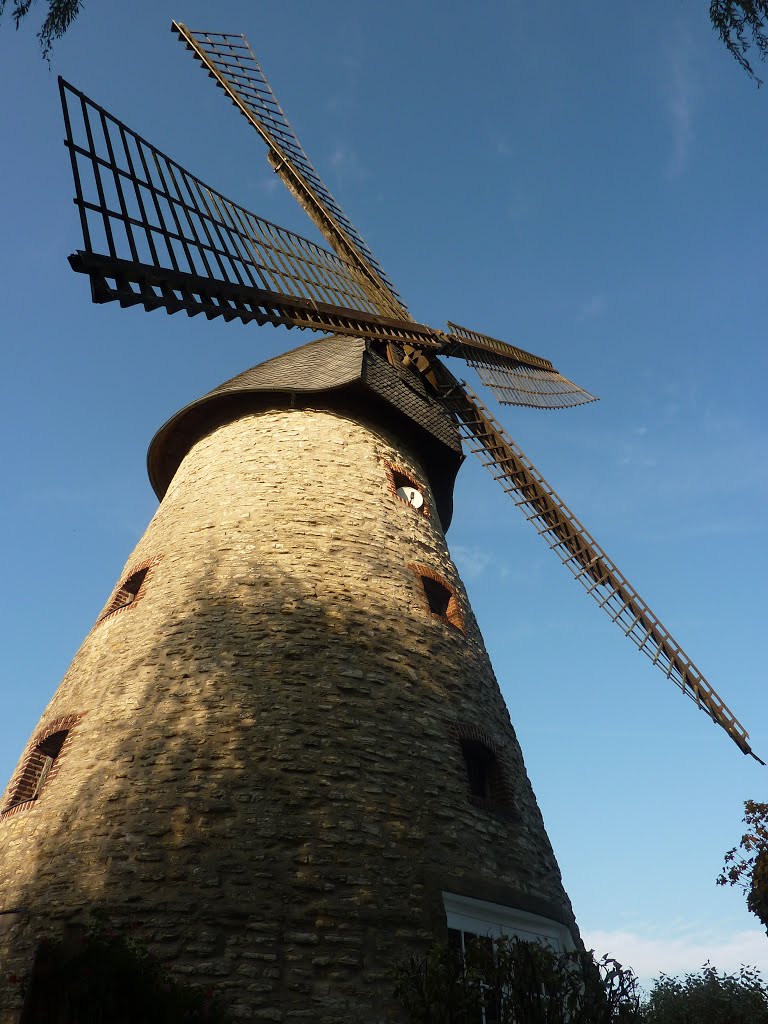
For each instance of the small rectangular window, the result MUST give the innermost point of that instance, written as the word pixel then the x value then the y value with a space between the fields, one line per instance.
pixel 36 769
pixel 480 763
pixel 130 590
pixel 438 596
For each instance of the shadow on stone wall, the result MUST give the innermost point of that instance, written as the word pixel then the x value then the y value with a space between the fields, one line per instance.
pixel 259 815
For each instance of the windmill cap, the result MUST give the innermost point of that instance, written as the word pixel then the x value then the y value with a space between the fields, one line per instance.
pixel 338 373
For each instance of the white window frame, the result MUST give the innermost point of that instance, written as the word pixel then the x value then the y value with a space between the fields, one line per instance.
pixel 479 917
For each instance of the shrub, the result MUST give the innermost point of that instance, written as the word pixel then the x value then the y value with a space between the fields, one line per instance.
pixel 511 981
pixel 707 997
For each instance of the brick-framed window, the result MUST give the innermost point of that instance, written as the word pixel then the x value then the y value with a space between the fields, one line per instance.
pixel 402 480
pixel 39 764
pixel 130 590
pixel 487 771
pixel 439 597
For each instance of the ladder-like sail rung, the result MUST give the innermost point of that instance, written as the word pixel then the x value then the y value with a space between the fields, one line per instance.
pixel 515 376
pixel 229 60
pixel 137 205
pixel 133 284
pixel 155 235
pixel 587 561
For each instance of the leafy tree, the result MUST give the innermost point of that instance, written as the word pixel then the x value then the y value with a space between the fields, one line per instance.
pixel 707 997
pixel 742 24
pixel 750 869
pixel 61 14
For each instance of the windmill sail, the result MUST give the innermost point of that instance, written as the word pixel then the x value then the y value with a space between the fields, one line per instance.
pixel 231 62
pixel 515 377
pixel 156 235
pixel 581 553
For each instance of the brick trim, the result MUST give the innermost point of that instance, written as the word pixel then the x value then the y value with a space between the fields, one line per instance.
pixel 391 469
pixel 28 771
pixel 118 600
pixel 469 731
pixel 454 616
pixel 502 799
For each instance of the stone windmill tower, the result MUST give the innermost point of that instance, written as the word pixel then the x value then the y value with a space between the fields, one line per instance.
pixel 314 770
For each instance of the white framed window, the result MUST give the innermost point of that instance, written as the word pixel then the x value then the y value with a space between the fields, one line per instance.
pixel 474 924
pixel 467 916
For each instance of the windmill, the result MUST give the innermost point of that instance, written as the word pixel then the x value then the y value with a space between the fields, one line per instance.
pixel 281 753
pixel 169 241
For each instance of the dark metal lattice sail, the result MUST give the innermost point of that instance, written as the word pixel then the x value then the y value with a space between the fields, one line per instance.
pixel 156 235
pixel 230 61
pixel 580 552
pixel 515 377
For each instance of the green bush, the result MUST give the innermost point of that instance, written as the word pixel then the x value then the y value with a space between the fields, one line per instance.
pixel 707 997
pixel 510 981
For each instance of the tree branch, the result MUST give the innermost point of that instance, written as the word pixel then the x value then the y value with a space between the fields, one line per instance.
pixel 742 24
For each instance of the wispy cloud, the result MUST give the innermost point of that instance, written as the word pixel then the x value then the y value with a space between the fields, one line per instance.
pixel 268 185
pixel 497 141
pixel 519 206
pixel 345 99
pixel 345 163
pixel 593 306
pixel 635 449
pixel 527 575
pixel 680 951
pixel 261 189
pixel 646 461
pixel 679 99
pixel 471 561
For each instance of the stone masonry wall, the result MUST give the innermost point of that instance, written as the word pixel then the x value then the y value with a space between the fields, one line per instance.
pixel 265 778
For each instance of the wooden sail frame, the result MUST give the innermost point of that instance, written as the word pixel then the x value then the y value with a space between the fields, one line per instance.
pixel 155 235
pixel 582 555
pixel 229 60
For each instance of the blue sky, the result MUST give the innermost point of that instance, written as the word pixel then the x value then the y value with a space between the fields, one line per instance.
pixel 586 181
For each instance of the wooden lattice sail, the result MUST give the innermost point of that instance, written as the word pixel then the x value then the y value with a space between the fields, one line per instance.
pixel 157 236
